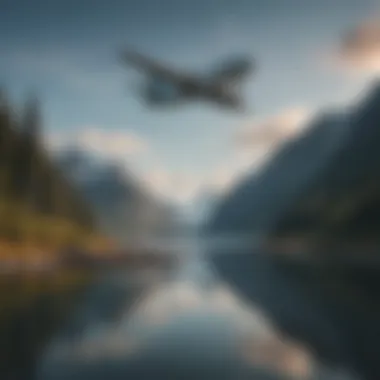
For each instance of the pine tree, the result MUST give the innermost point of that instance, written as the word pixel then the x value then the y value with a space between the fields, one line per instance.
pixel 36 199
pixel 31 130
pixel 6 144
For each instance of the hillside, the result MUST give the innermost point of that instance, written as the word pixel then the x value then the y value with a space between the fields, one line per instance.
pixel 321 189
pixel 39 206
pixel 343 202
pixel 262 197
pixel 324 182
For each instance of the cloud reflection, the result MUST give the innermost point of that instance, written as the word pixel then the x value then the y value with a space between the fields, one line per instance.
pixel 181 321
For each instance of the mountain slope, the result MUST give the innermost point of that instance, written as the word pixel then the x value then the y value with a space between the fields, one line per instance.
pixel 124 208
pixel 330 299
pixel 344 201
pixel 263 196
pixel 39 206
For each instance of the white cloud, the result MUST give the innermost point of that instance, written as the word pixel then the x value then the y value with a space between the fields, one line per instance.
pixel 158 180
pixel 179 187
pixel 130 149
pixel 266 133
pixel 228 173
pixel 168 302
pixel 108 143
pixel 186 186
pixel 275 353
pixel 222 178
pixel 133 151
pixel 359 50
pixel 253 145
pixel 226 176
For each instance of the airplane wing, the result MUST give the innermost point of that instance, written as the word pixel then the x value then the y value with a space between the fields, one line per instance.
pixel 234 70
pixel 152 67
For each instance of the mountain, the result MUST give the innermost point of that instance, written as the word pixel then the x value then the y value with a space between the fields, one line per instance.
pixel 323 187
pixel 325 181
pixel 343 202
pixel 39 206
pixel 124 208
pixel 255 204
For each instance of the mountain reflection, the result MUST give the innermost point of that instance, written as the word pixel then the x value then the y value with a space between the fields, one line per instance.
pixel 187 325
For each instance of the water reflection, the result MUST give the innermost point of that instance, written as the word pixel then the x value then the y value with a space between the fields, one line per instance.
pixel 176 330
pixel 175 325
pixel 31 309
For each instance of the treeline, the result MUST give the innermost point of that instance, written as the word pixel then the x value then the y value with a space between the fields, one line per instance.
pixel 38 205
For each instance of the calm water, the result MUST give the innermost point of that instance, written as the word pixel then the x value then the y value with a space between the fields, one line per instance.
pixel 31 310
pixel 180 325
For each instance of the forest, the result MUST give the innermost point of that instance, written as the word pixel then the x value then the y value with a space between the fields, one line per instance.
pixel 40 210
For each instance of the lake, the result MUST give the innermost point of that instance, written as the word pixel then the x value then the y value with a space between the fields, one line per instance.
pixel 181 324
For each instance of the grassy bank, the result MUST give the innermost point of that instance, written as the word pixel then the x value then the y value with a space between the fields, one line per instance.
pixel 30 237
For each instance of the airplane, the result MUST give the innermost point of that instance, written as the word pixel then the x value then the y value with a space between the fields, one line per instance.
pixel 166 86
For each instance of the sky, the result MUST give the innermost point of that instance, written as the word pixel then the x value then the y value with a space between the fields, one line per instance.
pixel 66 52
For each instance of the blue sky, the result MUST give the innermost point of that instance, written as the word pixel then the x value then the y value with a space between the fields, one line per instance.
pixel 66 52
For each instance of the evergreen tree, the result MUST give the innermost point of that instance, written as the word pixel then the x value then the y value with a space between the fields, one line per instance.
pixel 30 132
pixel 5 144
pixel 36 199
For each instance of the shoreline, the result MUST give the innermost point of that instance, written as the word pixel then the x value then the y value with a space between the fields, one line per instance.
pixel 43 262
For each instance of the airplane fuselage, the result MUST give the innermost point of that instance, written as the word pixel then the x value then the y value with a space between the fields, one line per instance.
pixel 160 93
pixel 167 86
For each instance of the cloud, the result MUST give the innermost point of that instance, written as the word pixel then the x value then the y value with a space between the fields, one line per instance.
pixel 168 302
pixel 359 49
pixel 108 143
pixel 129 149
pixel 266 133
pixel 228 173
pixel 132 152
pixel 186 186
pixel 253 145
pixel 183 188
pixel 179 187
pixel 159 180
pixel 222 179
pixel 275 353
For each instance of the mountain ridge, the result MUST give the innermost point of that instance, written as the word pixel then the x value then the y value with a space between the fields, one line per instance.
pixel 256 191
pixel 124 206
